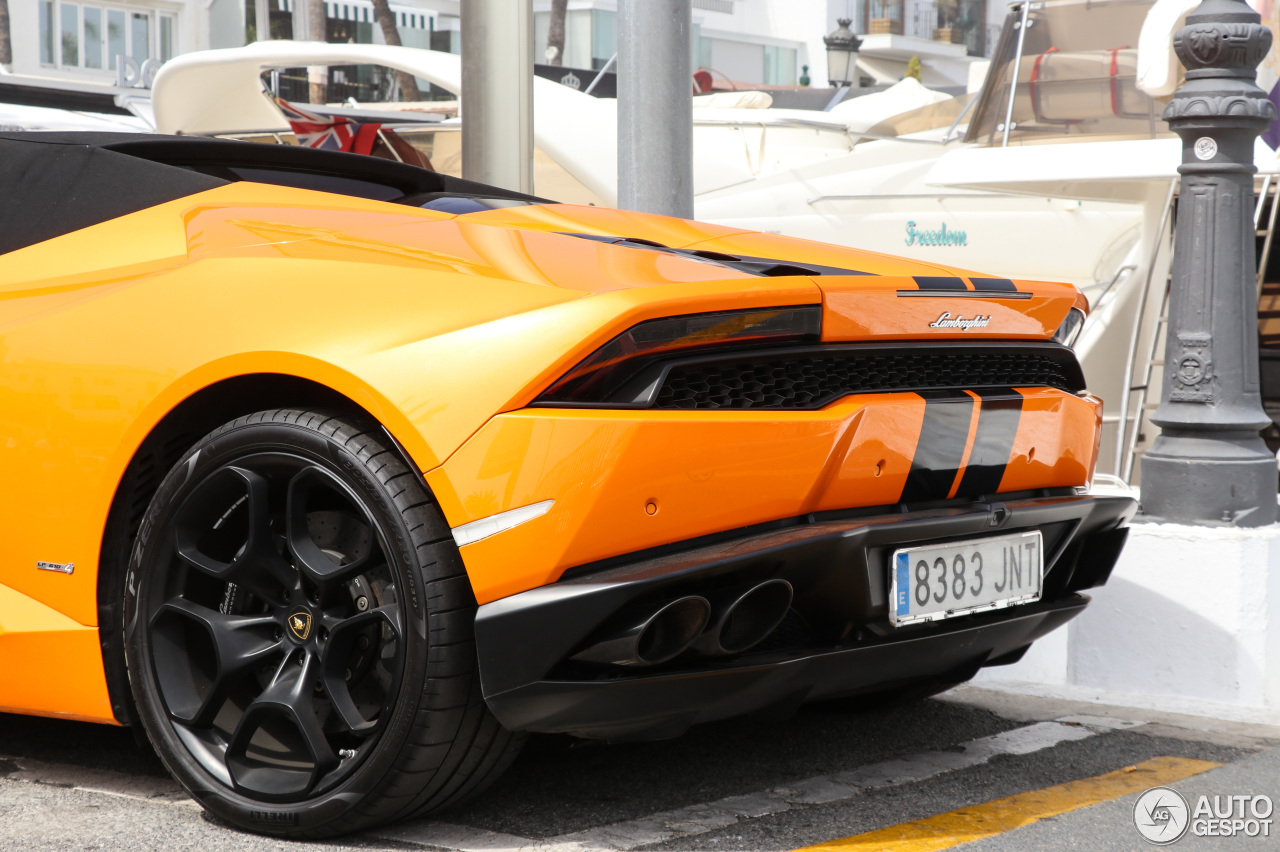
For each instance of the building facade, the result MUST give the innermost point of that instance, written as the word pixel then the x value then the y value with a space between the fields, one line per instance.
pixel 741 43
pixel 745 43
pixel 98 40
pixel 748 42
pixel 86 40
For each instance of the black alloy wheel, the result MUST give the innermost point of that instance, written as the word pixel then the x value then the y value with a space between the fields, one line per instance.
pixel 297 618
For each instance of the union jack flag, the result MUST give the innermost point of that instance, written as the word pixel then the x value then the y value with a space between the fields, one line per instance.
pixel 329 132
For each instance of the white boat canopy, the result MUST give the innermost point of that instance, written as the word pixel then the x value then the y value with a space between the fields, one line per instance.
pixel 214 92
pixel 737 137
pixel 1158 66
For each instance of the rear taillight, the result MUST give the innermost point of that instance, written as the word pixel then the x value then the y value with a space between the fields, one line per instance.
pixel 619 372
pixel 1069 331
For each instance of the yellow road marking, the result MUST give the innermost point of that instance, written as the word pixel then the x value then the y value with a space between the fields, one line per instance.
pixel 987 820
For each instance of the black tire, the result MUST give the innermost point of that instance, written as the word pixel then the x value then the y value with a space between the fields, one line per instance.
pixel 365 709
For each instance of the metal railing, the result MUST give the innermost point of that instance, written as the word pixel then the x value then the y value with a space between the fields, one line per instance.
pixel 1134 404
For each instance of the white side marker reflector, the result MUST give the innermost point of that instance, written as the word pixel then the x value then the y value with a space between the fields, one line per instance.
pixel 476 530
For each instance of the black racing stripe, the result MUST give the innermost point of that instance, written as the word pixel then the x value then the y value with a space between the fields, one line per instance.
pixel 939 282
pixel 943 436
pixel 997 425
pixel 1002 284
pixel 811 268
pixel 971 294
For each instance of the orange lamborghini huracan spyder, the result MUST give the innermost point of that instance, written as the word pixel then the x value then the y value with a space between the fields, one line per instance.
pixel 337 475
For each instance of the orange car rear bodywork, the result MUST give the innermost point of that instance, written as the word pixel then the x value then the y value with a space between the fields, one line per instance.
pixel 625 481
pixel 444 328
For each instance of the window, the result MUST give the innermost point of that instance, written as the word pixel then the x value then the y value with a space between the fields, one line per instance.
pixel 46 32
pixel 577 38
pixel 779 66
pixel 590 37
pixel 140 36
pixel 166 37
pixel 115 36
pixel 449 41
pixel 701 49
pixel 604 37
pixel 91 36
pixel 70 34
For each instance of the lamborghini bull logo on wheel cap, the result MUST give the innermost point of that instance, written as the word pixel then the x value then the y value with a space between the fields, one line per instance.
pixel 300 625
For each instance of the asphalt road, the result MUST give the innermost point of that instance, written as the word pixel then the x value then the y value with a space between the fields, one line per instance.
pixel 748 784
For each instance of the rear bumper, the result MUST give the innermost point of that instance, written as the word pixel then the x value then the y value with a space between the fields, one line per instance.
pixel 837 639
pixel 665 705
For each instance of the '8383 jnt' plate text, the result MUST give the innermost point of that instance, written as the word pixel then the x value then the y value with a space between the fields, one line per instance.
pixel 937 581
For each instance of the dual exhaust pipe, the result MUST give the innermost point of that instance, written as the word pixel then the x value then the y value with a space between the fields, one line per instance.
pixel 720 624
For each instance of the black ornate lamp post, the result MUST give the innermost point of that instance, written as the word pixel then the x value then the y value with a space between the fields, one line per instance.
pixel 1209 466
pixel 842 54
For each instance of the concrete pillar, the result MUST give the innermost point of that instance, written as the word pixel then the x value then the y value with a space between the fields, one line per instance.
pixel 497 93
pixel 655 106
pixel 317 30
pixel 1209 466
pixel 301 27
pixel 262 19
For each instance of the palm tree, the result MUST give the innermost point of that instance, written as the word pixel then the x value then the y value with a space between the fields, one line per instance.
pixel 318 30
pixel 555 32
pixel 391 35
pixel 6 46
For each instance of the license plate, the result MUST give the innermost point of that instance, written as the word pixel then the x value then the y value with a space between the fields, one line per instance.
pixel 936 581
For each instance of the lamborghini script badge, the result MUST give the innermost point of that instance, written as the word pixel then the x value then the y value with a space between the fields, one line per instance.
pixel 948 321
pixel 300 625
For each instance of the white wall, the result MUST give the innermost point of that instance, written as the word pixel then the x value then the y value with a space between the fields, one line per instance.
pixel 738 60
pixel 226 23
pixel 24 32
pixel 1189 623
pixel 997 11
pixel 799 24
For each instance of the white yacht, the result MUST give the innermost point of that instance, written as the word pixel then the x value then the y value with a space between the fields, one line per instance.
pixel 42 103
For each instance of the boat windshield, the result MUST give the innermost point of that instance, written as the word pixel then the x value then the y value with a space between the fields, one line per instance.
pixel 1076 76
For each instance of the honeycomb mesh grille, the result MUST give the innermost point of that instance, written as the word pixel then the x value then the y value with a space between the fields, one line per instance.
pixel 812 381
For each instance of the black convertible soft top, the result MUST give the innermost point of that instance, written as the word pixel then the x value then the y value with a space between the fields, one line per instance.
pixel 55 183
